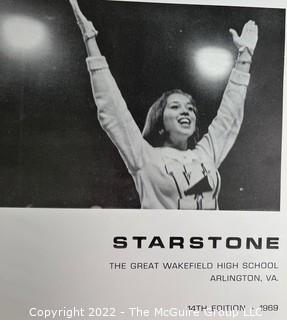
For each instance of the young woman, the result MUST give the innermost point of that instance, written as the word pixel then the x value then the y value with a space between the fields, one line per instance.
pixel 170 166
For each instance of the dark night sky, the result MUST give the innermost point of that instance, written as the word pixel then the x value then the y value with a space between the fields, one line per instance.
pixel 58 156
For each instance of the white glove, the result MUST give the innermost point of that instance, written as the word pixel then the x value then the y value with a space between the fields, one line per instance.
pixel 87 28
pixel 248 38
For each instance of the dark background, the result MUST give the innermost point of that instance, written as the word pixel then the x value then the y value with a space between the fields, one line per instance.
pixel 56 154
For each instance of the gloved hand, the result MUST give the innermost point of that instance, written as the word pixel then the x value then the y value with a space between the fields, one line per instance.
pixel 87 28
pixel 247 39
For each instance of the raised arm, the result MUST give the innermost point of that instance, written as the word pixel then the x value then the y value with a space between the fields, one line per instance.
pixel 113 114
pixel 88 31
pixel 225 127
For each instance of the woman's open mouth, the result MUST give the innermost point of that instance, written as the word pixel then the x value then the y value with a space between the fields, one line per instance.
pixel 184 121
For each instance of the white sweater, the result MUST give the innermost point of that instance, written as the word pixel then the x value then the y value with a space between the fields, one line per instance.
pixel 167 178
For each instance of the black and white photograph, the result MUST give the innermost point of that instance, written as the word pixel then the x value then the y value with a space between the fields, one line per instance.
pixel 114 104
pixel 111 109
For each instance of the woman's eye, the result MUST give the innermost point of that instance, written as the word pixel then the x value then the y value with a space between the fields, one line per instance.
pixel 174 106
pixel 191 108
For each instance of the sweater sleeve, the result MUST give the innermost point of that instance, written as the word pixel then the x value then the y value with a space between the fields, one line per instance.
pixel 114 115
pixel 224 129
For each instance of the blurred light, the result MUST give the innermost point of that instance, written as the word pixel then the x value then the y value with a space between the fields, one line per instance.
pixel 214 62
pixel 23 33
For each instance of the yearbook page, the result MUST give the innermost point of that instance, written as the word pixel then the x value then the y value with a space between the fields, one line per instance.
pixel 143 160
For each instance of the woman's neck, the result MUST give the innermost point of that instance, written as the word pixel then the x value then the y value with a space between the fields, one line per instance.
pixel 179 145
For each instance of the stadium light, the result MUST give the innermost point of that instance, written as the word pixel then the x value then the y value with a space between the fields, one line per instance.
pixel 214 62
pixel 23 33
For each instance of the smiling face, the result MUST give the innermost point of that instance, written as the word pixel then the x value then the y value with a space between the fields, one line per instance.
pixel 179 120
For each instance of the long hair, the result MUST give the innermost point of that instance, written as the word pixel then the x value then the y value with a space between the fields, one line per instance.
pixel 154 131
